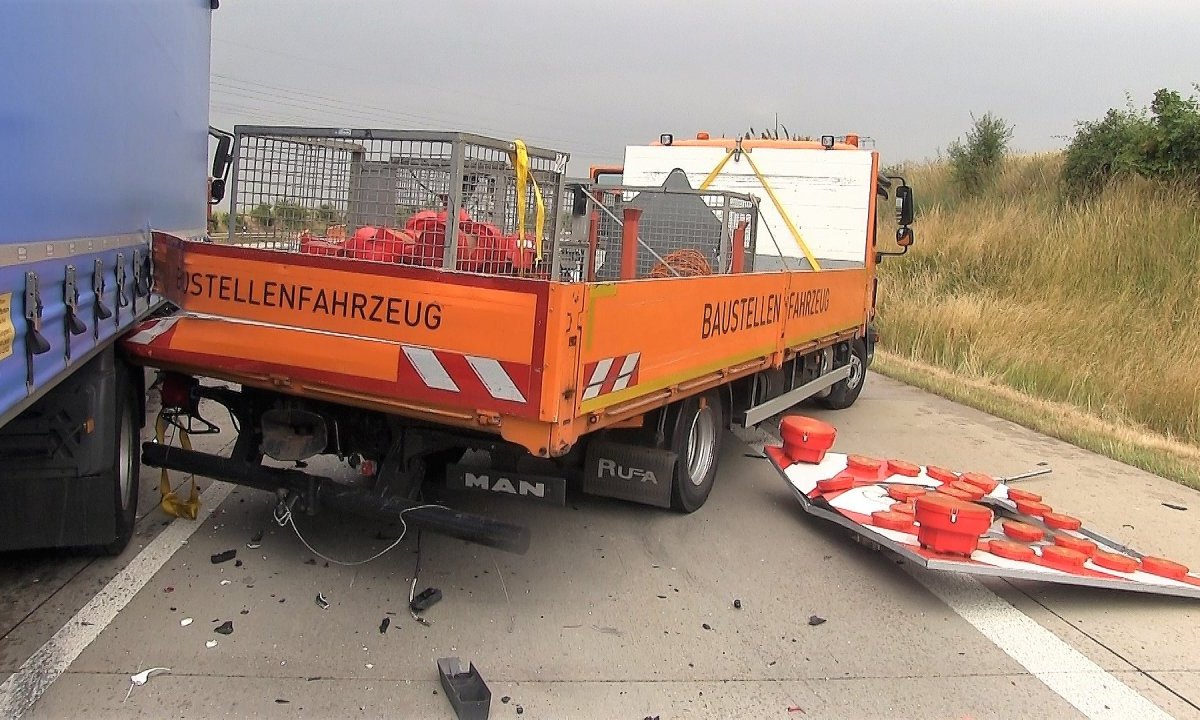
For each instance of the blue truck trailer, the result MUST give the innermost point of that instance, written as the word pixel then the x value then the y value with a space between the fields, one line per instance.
pixel 104 141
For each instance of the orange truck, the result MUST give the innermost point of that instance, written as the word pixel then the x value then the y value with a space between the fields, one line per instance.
pixel 603 332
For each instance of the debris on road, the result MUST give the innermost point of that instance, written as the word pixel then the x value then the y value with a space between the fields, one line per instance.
pixel 383 625
pixel 221 557
pixel 425 599
pixel 796 709
pixel 321 601
pixel 815 620
pixel 185 622
pixel 210 644
pixel 706 626
pixel 225 628
pixel 237 563
pixel 1173 506
pixel 505 699
pixel 144 676
pixel 225 582
pixel 737 604
pixel 281 701
pixel 966 522
pixel 169 589
pixel 256 541
pixel 468 694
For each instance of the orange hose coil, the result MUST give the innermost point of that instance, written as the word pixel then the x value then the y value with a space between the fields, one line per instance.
pixel 685 263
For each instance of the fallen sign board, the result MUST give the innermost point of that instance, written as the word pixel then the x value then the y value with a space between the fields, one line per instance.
pixel 998 531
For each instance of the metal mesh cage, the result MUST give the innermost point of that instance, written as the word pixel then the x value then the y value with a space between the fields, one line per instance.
pixel 387 196
pixel 681 231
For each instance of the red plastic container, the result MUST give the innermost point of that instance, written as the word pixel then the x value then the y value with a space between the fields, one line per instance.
pixel 836 484
pixel 1016 494
pixel 973 492
pixel 862 466
pixel 1164 567
pixel 892 520
pixel 901 467
pixel 1010 550
pixel 904 493
pixel 1063 558
pixel 956 493
pixel 806 439
pixel 986 483
pixel 949 525
pixel 1113 561
pixel 940 474
pixel 1032 507
pixel 1059 521
pixel 1022 531
pixel 1083 545
pixel 317 246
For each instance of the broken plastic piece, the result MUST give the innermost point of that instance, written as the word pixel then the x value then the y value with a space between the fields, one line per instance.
pixel 225 628
pixel 815 620
pixel 185 622
pixel 321 601
pixel 425 599
pixel 210 644
pixel 223 557
pixel 465 689
pixel 383 625
pixel 144 676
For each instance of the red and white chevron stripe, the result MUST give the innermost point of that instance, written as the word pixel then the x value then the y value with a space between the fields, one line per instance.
pixel 611 375
pixel 465 374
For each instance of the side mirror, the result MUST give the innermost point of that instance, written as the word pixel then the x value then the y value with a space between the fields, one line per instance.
pixel 904 237
pixel 221 161
pixel 904 206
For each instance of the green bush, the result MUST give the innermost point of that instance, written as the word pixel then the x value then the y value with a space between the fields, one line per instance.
pixel 975 162
pixel 1162 143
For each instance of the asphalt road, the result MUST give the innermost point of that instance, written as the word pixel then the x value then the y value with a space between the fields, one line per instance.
pixel 619 611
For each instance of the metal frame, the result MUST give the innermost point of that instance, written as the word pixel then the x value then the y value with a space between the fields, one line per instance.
pixel 270 171
pixel 770 408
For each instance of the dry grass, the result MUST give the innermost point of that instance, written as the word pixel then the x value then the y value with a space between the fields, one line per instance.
pixel 1095 306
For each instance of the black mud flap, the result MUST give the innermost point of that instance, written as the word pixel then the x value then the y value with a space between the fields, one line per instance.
pixel 629 472
pixel 543 488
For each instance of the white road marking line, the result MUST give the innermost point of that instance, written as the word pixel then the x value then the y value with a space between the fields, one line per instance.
pixel 497 381
pixel 23 688
pixel 1063 669
pixel 431 370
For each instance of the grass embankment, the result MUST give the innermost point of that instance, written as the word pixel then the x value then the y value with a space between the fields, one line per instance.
pixel 1080 320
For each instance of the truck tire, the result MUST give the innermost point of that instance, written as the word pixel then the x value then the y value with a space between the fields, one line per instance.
pixel 696 427
pixel 844 392
pixel 127 466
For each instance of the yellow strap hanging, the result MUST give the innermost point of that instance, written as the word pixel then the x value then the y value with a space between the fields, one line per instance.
pixel 712 176
pixel 520 161
pixel 170 503
pixel 812 260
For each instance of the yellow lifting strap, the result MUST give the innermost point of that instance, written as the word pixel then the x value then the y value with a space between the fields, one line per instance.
pixel 520 161
pixel 712 176
pixel 171 504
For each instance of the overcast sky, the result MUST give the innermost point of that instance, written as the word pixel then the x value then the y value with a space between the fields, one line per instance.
pixel 591 77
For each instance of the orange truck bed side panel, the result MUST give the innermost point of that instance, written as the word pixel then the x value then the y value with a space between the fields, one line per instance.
pixel 450 340
pixel 646 335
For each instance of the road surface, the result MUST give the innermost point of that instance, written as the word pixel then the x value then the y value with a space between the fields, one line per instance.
pixel 618 611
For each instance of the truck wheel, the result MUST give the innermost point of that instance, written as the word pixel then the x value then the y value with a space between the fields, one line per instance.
pixel 127 466
pixel 696 433
pixel 844 392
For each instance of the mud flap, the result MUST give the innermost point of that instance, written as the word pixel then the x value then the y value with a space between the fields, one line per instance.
pixel 543 488
pixel 1044 546
pixel 629 472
